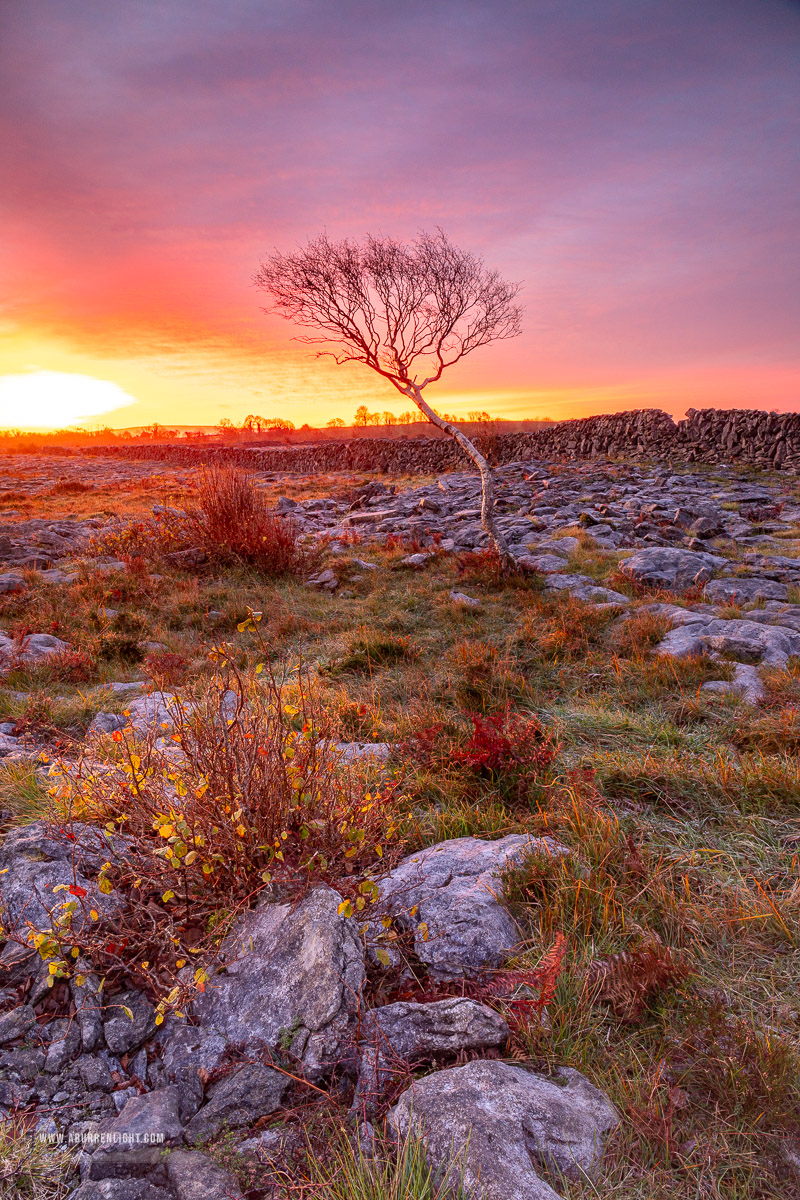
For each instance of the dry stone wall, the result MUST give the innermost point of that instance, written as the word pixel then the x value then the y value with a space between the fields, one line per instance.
pixel 745 436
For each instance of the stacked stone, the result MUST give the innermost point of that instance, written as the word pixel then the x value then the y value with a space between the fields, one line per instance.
pixel 770 440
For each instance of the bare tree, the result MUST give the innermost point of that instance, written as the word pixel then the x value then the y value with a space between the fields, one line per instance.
pixel 407 311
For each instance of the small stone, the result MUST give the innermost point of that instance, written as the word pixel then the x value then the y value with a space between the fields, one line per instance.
pixel 122 1033
pixel 417 561
pixel 462 600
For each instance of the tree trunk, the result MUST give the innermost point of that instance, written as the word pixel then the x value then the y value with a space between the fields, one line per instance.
pixel 488 514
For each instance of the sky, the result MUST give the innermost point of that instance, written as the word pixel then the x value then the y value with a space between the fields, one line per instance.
pixel 634 163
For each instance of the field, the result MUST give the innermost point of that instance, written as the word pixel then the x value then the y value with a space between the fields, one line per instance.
pixel 659 957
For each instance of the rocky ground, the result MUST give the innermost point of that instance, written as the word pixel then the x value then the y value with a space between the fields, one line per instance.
pixel 654 632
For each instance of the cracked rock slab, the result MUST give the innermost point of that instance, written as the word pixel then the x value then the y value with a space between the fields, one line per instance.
pixel 450 896
pixel 504 1125
pixel 745 641
pixel 396 1034
pixel 671 568
pixel 293 981
pixel 237 1101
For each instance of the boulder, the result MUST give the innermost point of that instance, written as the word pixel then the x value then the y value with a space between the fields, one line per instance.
pixel 396 1034
pixel 31 650
pixel 671 568
pixel 10 583
pixel 293 980
pixel 583 587
pixel 448 895
pixel 238 1101
pixel 500 1123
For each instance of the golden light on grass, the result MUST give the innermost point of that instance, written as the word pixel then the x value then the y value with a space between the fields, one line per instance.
pixel 55 399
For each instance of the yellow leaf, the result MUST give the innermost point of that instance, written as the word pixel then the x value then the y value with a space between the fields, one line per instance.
pixel 383 956
pixel 94 914
pixel 240 829
pixel 181 962
pixel 170 895
pixel 345 909
pixel 160 1019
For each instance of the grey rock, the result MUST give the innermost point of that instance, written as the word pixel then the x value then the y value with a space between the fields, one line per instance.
pixel 121 1033
pixel 501 1122
pixel 462 600
pixel 133 1143
pixel 325 581
pixel 295 974
pixel 16 1023
pixel 671 568
pixel 396 1034
pixel 38 860
pixel 746 683
pixel 10 583
pixel 62 1041
pixel 195 1177
pixel 94 1074
pixel 188 1050
pixel 583 587
pixel 120 1189
pixel 88 1005
pixel 448 895
pixel 545 564
pixel 237 1101
pixel 416 560
pixel 739 590
pixel 33 649
pixel 745 641
pixel 360 751
pixel 106 722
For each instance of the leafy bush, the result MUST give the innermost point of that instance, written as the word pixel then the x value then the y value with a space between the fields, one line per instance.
pixel 236 798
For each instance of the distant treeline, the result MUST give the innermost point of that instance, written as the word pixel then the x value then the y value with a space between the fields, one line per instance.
pixel 263 431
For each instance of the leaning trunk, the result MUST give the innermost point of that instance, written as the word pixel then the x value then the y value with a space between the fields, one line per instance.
pixel 488 514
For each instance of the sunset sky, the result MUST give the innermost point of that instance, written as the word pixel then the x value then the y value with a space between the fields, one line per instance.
pixel 633 162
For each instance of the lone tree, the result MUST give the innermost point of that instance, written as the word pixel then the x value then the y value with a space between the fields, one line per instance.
pixel 408 311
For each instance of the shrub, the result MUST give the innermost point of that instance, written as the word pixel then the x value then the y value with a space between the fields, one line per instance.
pixel 229 523
pixel 166 667
pixel 234 524
pixel 513 751
pixel 236 799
